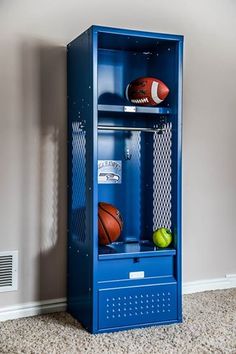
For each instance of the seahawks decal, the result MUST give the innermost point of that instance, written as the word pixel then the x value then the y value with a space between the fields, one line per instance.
pixel 109 171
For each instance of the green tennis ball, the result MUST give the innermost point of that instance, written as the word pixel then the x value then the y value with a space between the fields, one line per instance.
pixel 162 237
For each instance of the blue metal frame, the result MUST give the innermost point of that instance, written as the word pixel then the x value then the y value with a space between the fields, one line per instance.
pixel 97 279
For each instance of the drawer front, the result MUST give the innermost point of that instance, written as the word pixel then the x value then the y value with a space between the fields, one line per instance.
pixel 122 307
pixel 134 268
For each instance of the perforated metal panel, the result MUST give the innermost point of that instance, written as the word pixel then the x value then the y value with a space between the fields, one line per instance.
pixel 162 178
pixel 136 305
pixel 78 182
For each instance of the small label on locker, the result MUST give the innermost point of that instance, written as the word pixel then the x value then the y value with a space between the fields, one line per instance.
pixel 109 171
pixel 136 275
pixel 129 109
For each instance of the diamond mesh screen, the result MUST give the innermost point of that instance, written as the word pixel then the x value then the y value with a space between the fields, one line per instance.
pixel 162 178
pixel 78 182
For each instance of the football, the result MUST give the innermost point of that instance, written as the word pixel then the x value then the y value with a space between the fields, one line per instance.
pixel 146 91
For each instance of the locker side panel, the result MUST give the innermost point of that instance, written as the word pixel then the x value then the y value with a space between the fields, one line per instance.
pixel 80 167
pixel 176 152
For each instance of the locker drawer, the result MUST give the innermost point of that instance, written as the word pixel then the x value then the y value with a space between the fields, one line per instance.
pixel 135 268
pixel 121 307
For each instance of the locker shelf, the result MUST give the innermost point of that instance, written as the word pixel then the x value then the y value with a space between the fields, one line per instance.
pixel 133 249
pixel 133 109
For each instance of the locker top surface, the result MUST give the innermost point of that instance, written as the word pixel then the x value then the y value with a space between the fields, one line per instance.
pixel 121 36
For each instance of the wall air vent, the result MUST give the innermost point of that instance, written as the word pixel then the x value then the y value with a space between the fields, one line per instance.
pixel 8 271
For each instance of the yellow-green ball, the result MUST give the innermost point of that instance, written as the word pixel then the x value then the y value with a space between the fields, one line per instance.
pixel 162 237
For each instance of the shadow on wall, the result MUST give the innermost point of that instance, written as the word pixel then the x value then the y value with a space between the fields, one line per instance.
pixel 44 171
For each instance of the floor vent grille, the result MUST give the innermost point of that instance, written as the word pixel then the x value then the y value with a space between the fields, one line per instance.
pixel 8 271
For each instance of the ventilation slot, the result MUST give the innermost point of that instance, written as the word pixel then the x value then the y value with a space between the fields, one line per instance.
pixel 8 271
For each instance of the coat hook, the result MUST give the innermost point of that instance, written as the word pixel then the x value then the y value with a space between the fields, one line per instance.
pixel 128 155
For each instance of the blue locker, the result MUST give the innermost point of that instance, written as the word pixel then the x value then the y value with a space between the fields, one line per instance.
pixel 129 283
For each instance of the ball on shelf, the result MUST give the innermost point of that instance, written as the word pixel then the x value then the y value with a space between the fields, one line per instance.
pixel 146 91
pixel 110 223
pixel 162 237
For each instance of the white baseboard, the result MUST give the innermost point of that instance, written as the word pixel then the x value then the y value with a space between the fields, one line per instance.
pixel 32 309
pixel 58 305
pixel 210 284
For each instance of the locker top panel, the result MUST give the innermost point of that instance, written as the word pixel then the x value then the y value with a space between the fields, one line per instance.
pixel 129 39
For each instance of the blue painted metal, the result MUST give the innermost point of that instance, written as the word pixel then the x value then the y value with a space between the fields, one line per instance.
pixel 127 250
pixel 120 269
pixel 179 182
pixel 138 109
pixel 80 179
pixel 101 62
pixel 139 305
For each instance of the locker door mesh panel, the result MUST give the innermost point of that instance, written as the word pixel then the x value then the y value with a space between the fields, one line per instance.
pixel 162 178
pixel 137 305
pixel 78 183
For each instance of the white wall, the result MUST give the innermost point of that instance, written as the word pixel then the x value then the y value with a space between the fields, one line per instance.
pixel 33 36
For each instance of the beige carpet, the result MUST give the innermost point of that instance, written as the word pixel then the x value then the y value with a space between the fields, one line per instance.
pixel 209 327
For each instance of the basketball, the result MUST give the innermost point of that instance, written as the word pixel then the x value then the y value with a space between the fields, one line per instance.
pixel 110 223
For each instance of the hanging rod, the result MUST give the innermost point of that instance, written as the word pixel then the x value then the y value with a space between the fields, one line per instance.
pixel 147 130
